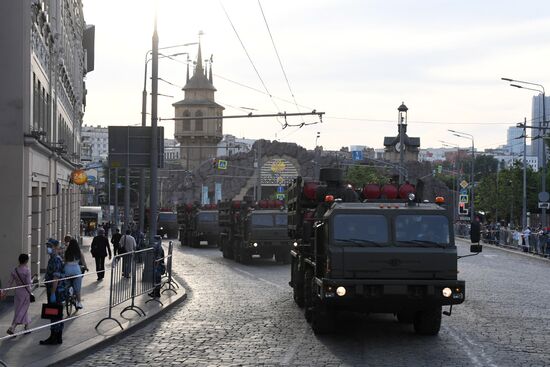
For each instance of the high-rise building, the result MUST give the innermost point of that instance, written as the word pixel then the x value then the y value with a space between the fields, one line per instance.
pixel 537 144
pixel 95 143
pixel 47 49
pixel 514 143
pixel 198 137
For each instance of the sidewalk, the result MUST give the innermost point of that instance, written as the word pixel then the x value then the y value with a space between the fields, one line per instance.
pixel 79 334
pixel 512 250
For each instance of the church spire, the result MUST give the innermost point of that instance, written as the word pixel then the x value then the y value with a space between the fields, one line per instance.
pixel 187 80
pixel 199 61
pixel 210 74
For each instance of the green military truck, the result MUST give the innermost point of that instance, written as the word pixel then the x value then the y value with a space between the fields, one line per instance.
pixel 381 251
pixel 248 229
pixel 198 226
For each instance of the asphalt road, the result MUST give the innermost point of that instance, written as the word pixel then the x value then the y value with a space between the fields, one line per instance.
pixel 244 315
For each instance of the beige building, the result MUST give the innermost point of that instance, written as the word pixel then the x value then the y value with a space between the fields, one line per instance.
pixel 198 137
pixel 47 50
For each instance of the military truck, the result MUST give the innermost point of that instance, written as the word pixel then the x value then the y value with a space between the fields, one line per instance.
pixel 248 229
pixel 198 226
pixel 167 224
pixel 379 252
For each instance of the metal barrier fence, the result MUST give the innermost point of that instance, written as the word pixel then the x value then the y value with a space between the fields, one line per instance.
pixel 129 279
pixel 537 242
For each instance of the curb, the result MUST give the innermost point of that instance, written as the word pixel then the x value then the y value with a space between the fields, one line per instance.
pixel 68 360
pixel 511 251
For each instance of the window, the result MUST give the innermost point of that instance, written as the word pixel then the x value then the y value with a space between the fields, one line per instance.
pixel 281 220
pixel 262 220
pixel 198 122
pixel 35 102
pixel 422 229
pixel 364 229
pixel 186 123
pixel 207 217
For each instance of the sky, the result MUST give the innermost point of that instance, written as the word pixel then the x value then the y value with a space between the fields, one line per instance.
pixel 355 60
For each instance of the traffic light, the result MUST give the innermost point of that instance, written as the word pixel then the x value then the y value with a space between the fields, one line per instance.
pixel 462 210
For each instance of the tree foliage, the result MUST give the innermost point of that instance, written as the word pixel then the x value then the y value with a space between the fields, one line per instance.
pixel 361 175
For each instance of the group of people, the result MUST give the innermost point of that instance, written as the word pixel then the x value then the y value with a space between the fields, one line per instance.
pixel 67 261
pixel 535 240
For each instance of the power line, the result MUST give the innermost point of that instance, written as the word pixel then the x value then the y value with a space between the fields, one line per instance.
pixel 250 59
pixel 278 57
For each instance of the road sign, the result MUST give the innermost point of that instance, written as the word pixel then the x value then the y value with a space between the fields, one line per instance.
pixel 463 198
pixel 357 155
pixel 463 191
pixel 544 205
pixel 280 196
pixel 464 184
pixel 463 218
pixel 544 196
pixel 280 189
pixel 222 164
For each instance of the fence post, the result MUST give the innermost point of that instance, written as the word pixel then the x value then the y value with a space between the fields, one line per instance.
pixel 133 272
pixel 170 282
pixel 110 303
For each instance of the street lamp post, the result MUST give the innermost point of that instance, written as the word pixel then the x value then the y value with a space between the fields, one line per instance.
pixel 402 124
pixel 524 196
pixel 543 125
pixel 471 137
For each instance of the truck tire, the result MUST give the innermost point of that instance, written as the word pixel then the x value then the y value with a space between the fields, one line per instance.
pixel 308 294
pixel 322 320
pixel 428 321
pixel 282 256
pixel 405 317
pixel 297 284
pixel 266 255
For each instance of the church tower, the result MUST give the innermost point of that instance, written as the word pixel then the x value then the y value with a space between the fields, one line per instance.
pixel 198 137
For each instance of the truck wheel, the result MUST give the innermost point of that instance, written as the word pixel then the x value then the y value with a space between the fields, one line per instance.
pixel 428 322
pixel 297 285
pixel 266 255
pixel 225 251
pixel 245 257
pixel 322 320
pixel 308 294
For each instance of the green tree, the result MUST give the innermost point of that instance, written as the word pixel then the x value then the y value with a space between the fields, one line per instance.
pixel 362 175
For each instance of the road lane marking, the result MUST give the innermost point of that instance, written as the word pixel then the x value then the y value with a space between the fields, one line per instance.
pixel 471 349
pixel 258 278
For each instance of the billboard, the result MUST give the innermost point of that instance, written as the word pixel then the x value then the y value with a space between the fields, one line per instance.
pixel 130 146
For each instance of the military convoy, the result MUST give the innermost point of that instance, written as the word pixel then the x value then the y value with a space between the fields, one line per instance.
pixel 248 229
pixel 382 251
pixel 198 225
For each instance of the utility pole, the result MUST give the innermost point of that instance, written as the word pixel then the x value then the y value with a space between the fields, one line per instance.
pixel 259 189
pixel 402 125
pixel 154 137
pixel 524 197
pixel 116 197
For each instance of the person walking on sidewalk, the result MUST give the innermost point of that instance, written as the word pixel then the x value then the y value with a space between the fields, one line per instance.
pixel 115 240
pixel 159 268
pixel 75 264
pixel 99 248
pixel 127 244
pixel 20 276
pixel 55 290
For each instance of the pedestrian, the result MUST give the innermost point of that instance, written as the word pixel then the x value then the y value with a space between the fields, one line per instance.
pixel 55 290
pixel 115 240
pixel 21 276
pixel 107 227
pixel 159 268
pixel 75 264
pixel 127 245
pixel 526 234
pixel 99 248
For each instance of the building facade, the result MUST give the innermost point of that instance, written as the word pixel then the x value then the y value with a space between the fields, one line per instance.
pixel 95 143
pixel 198 137
pixel 171 150
pixel 42 101
pixel 514 143
pixel 231 145
pixel 537 144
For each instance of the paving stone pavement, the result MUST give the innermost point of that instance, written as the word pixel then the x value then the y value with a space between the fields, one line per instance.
pixel 239 315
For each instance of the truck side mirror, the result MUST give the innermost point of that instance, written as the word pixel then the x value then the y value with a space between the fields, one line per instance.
pixel 475 232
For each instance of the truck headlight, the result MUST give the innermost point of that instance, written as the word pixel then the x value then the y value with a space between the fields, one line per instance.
pixel 446 292
pixel 295 244
pixel 341 291
pixel 255 244
pixel 161 228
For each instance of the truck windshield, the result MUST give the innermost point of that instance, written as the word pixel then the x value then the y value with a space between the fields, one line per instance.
pixel 360 229
pixel 262 220
pixel 167 217
pixel 281 220
pixel 207 217
pixel 422 230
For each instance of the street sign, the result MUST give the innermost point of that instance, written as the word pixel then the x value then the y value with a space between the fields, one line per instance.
pixel 222 164
pixel 357 155
pixel 464 184
pixel 94 165
pixel 544 205
pixel 463 191
pixel 463 198
pixel 280 189
pixel 544 196
pixel 463 218
pixel 130 146
pixel 280 196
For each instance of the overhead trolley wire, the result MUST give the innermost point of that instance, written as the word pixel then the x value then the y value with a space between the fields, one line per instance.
pixel 279 57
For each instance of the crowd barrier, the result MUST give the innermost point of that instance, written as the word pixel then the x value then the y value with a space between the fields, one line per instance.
pixel 537 242
pixel 140 264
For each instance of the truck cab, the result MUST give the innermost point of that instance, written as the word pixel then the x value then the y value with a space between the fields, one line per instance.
pixel 390 254
pixel 206 228
pixel 266 234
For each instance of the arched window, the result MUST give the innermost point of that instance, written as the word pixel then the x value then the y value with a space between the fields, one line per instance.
pixel 198 122
pixel 186 123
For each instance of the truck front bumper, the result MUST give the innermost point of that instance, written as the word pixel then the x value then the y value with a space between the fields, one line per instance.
pixel 390 293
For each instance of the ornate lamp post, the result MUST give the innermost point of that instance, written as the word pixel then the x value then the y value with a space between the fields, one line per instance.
pixel 402 124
